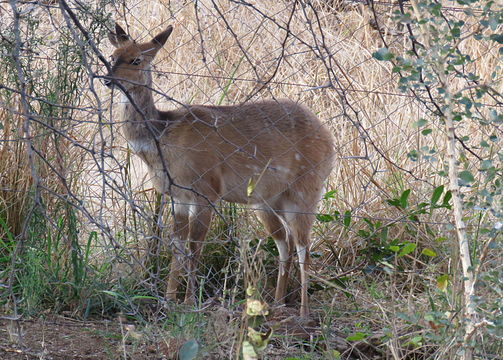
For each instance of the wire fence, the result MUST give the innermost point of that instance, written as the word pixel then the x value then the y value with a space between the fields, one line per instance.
pixel 72 175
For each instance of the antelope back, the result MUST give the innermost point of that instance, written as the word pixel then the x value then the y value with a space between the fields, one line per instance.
pixel 250 153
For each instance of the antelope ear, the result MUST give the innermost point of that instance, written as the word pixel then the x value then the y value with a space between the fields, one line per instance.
pixel 162 37
pixel 120 36
pixel 113 39
pixel 158 42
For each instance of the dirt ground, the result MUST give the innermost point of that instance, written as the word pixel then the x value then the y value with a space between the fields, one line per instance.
pixel 63 338
pixel 57 337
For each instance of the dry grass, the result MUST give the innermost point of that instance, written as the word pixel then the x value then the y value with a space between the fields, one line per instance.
pixel 15 182
pixel 211 61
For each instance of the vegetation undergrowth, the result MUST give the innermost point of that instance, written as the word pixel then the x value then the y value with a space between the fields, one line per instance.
pixel 406 253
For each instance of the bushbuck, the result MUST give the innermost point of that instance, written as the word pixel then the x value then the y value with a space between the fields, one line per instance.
pixel 272 155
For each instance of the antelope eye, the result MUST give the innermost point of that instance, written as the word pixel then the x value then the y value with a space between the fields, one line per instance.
pixel 135 61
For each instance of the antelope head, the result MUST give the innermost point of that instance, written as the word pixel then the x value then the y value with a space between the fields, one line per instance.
pixel 131 60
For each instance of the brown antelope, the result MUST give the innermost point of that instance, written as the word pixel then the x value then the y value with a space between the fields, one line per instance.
pixel 271 155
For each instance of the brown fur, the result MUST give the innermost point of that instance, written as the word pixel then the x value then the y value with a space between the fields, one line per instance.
pixel 216 152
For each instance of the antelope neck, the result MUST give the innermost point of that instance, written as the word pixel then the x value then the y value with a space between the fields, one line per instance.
pixel 143 108
pixel 142 117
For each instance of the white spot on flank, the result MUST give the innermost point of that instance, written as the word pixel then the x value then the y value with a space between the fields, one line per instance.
pixel 283 169
pixel 297 156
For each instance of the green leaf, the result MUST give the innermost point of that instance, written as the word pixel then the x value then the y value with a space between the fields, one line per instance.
pixel 329 194
pixel 494 116
pixel 394 202
pixel 331 354
pixel 403 199
pixel 383 54
pixel 111 293
pixel 413 155
pixel 347 218
pixel 442 282
pixel 356 336
pixel 407 249
pixel 426 132
pixel 370 224
pixel 363 234
pixel 417 339
pixel 248 351
pixel 325 218
pixel 413 217
pixel 387 266
pixel 420 123
pixel 447 198
pixel 436 194
pixel 497 37
pixel 466 177
pixel 189 350
pixel 428 252
pixel 467 102
pixel 6 230
pixel 384 235
pixel 258 339
pixel 486 164
pixel 394 248
pixel 144 297
pixel 456 32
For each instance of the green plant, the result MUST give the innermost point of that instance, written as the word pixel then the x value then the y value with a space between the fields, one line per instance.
pixel 41 230
pixel 439 65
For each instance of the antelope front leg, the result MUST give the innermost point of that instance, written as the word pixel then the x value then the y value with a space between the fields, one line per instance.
pixel 285 260
pixel 180 233
pixel 303 254
pixel 199 225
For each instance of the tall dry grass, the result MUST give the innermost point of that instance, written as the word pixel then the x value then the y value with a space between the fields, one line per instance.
pixel 15 181
pixel 220 53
